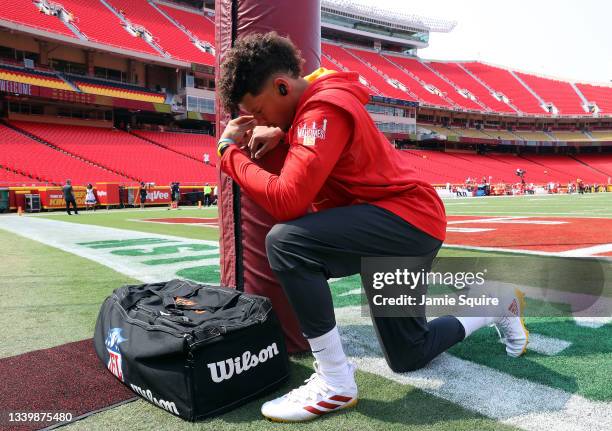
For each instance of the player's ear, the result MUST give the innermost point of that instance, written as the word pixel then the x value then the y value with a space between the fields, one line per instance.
pixel 282 86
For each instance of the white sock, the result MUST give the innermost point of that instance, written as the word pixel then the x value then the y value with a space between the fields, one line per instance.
pixel 328 352
pixel 472 324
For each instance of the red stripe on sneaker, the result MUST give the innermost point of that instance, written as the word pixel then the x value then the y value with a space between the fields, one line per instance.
pixel 312 410
pixel 340 398
pixel 328 405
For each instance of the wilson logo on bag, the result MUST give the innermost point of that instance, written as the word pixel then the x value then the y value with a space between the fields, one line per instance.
pixel 224 370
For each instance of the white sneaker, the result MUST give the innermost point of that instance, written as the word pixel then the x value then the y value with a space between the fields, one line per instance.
pixel 514 334
pixel 314 399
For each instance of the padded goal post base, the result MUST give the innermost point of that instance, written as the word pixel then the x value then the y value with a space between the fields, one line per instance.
pixel 243 224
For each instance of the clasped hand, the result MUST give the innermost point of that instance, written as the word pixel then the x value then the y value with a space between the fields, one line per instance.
pixel 245 132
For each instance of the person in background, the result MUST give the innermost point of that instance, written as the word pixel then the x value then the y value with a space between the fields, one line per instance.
pixel 175 195
pixel 69 197
pixel 143 195
pixel 207 195
pixel 90 198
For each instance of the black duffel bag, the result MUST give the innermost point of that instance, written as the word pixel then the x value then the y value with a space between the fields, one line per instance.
pixel 191 349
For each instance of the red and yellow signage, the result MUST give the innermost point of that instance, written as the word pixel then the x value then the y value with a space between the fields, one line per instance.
pixel 107 194
pixel 53 197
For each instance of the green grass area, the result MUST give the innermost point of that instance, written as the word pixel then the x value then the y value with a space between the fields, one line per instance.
pixel 129 219
pixel 587 205
pixel 383 405
pixel 53 297
pixel 584 368
pixel 49 297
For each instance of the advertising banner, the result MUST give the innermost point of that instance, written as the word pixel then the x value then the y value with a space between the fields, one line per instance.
pixel 53 197
pixel 155 195
pixel 107 194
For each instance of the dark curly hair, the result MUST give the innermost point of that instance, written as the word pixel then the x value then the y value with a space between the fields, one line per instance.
pixel 252 60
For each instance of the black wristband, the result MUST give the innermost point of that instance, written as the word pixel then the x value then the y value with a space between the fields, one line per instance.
pixel 222 148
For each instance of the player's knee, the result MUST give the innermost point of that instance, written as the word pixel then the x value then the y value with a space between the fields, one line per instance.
pixel 277 241
pixel 410 359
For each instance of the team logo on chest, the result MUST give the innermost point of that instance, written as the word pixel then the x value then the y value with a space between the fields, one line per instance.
pixel 308 133
pixel 114 354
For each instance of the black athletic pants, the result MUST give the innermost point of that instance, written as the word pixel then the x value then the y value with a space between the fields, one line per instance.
pixel 305 252
pixel 73 202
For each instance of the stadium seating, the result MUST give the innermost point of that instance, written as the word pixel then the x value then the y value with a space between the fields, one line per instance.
pixel 471 133
pixel 11 178
pixel 372 77
pixel 503 135
pixel 328 64
pixel 123 152
pixel 439 130
pixel 169 37
pixel 196 23
pixel 118 89
pixel 600 162
pixel 463 80
pixel 395 72
pixel 89 14
pixel 529 135
pixel 438 167
pixel 25 12
pixel 561 94
pixel 567 166
pixel 33 77
pixel 502 80
pixel 568 136
pixel 40 161
pixel 598 94
pixel 602 135
pixel 536 172
pixel 193 145
pixel 426 75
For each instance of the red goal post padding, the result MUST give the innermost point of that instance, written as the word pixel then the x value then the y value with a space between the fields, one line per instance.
pixel 242 222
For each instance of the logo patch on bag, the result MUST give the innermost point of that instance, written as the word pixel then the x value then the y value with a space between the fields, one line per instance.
pixel 224 370
pixel 147 394
pixel 113 339
pixel 184 301
pixel 308 133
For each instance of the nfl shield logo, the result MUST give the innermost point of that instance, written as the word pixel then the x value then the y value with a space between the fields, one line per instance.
pixel 114 354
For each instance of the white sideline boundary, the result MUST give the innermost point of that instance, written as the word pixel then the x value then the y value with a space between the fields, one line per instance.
pixel 66 236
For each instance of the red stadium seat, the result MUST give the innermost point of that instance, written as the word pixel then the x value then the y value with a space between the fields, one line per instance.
pixel 123 152
pixel 193 145
pixel 89 14
pixel 169 37
pixel 502 80
pixel 560 93
pixel 26 12
pixel 48 164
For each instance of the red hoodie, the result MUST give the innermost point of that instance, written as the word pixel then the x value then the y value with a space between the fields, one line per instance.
pixel 337 157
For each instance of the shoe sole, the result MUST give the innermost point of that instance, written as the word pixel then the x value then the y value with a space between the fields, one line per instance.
pixel 350 404
pixel 522 304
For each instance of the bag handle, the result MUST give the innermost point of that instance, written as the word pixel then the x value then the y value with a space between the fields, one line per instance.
pixel 169 299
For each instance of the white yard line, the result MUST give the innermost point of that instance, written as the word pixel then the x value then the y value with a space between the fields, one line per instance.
pixel 520 251
pixel 67 236
pixel 589 251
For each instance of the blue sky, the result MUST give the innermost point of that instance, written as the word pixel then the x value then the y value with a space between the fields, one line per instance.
pixel 560 38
